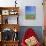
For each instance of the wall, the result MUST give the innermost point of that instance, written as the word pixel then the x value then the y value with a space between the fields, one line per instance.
pixel 44 12
pixel 22 3
pixel 39 13
pixel 7 3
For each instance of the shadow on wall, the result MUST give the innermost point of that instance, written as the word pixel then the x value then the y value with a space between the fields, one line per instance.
pixel 37 29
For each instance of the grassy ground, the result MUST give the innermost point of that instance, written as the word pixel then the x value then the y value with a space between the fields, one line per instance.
pixel 30 16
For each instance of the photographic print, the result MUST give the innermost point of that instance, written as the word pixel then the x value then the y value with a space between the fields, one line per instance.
pixel 30 12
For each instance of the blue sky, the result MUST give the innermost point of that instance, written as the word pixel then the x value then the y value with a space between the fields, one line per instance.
pixel 30 9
